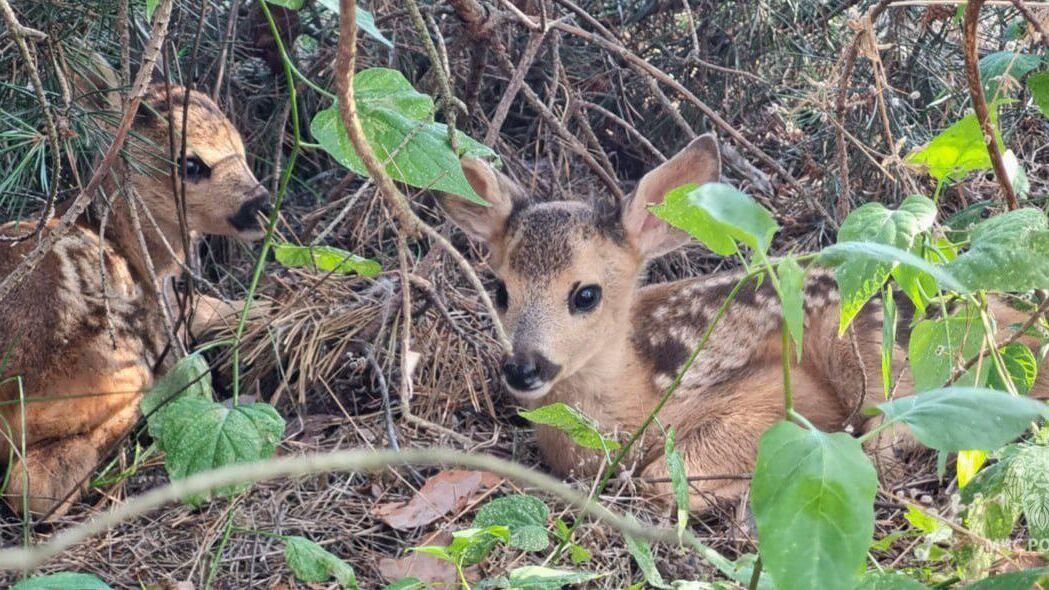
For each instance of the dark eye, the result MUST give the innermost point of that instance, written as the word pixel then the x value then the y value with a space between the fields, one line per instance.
pixel 502 299
pixel 585 299
pixel 193 168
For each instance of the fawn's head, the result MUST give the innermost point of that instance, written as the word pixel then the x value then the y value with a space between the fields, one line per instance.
pixel 223 197
pixel 568 270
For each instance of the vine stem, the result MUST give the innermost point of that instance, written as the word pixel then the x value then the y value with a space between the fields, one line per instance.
pixel 29 557
pixel 972 73
pixel 271 224
pixel 345 64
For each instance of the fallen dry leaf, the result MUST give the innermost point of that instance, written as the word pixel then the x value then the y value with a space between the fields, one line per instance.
pixel 427 568
pixel 445 492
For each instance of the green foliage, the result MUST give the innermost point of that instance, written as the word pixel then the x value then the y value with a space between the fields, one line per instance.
pixel 524 516
pixel 398 123
pixel 958 418
pixel 1020 365
pixel 190 376
pixel 62 581
pixel 840 254
pixel 888 581
pixel 859 279
pixel 406 584
pixel 792 297
pixel 572 422
pixel 959 149
pixel 365 19
pixel 151 7
pixel 325 258
pixel 1009 253
pixel 534 577
pixel 995 66
pixel 312 563
pixel 1038 84
pixel 1011 581
pixel 719 216
pixel 678 480
pixel 812 497
pixel 641 551
pixel 936 346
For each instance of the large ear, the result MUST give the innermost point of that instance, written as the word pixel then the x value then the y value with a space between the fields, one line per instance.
pixel 480 222
pixel 698 163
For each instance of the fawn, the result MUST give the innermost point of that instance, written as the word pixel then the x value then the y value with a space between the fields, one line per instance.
pixel 584 332
pixel 86 345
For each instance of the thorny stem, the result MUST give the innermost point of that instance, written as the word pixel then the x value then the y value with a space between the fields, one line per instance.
pixel 271 224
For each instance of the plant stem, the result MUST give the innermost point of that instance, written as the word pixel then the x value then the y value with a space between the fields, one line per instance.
pixel 756 576
pixel 275 214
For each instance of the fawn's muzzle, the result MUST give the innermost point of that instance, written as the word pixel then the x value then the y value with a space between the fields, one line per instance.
pixel 528 371
pixel 247 217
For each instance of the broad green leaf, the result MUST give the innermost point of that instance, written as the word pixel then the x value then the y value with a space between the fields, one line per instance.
pixel 1021 366
pixel 1005 63
pixel 968 464
pixel 62 581
pixel 642 554
pixel 1017 176
pixel 572 422
pixel 190 376
pixel 792 284
pixel 534 577
pixel 1011 581
pixel 719 216
pixel 1026 484
pixel 888 339
pixel 406 584
pixel 958 418
pixel 678 481
pixel 525 516
pixel 813 501
pixel 1039 86
pixel 889 581
pixel 365 21
pixel 325 258
pixel 468 546
pixel 398 120
pixel 1008 253
pixel 578 554
pixel 289 4
pixel 199 435
pixel 151 7
pixel 312 563
pixel 937 346
pixel 959 149
pixel 859 279
pixel 840 254
pixel 922 521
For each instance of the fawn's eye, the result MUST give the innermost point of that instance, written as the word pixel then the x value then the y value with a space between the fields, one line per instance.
pixel 584 299
pixel 193 168
pixel 502 298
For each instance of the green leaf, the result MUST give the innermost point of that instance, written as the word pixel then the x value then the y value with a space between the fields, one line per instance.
pixel 312 563
pixel 719 216
pixel 199 435
pixel 1021 366
pixel 525 516
pixel 1011 581
pixel 678 481
pixel 1039 86
pixel 936 346
pixel 289 4
pixel 958 418
pixel 968 464
pixel 1001 63
pixel 889 581
pixel 325 258
pixel 62 581
pixel 572 422
pixel 1009 253
pixel 813 501
pixel 792 285
pixel 642 554
pixel 151 7
pixel 888 339
pixel 397 118
pixel 406 584
pixel 840 254
pixel 959 149
pixel 1026 484
pixel 190 376
pixel 534 577
pixel 859 279
pixel 365 21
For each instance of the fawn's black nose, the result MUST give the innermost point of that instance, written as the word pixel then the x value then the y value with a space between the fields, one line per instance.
pixel 247 217
pixel 528 371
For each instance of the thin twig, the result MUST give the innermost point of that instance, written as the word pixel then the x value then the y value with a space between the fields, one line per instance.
pixel 503 108
pixel 972 71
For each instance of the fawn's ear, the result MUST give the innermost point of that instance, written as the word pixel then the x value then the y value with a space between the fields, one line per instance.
pixel 698 163
pixel 94 81
pixel 480 222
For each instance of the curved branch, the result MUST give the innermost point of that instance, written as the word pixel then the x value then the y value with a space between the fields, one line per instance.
pixel 24 558
pixel 972 73
pixel 345 63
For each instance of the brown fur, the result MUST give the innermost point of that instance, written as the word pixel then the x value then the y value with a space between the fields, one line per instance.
pixel 617 360
pixel 79 364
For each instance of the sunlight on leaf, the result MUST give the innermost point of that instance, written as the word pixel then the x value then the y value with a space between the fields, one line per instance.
pixel 1039 87
pixel 719 216
pixel 959 148
pixel 572 422
pixel 325 258
pixel 968 464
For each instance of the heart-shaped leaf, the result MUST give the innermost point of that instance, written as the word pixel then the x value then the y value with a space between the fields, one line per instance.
pixel 959 148
pixel 525 516
pixel 813 500
pixel 190 376
pixel 1009 253
pixel 840 254
pixel 719 216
